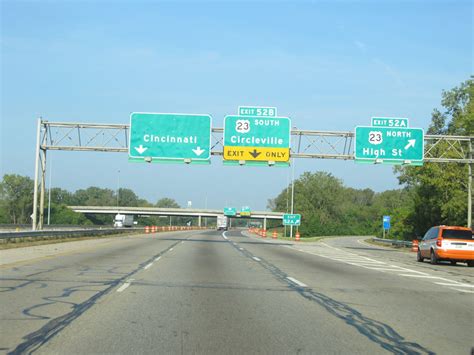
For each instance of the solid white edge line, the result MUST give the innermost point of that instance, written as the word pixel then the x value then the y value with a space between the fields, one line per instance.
pixel 295 281
pixel 171 249
pixel 158 258
pixel 123 287
pixel 256 259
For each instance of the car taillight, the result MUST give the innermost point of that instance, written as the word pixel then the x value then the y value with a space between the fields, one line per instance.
pixel 439 241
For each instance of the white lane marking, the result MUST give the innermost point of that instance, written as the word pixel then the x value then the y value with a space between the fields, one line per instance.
pixel 171 249
pixel 461 290
pixel 148 266
pixel 454 284
pixel 123 287
pixel 295 281
pixel 241 248
pixel 339 255
pixel 421 276
pixel 182 241
pixel 158 258
pixel 256 259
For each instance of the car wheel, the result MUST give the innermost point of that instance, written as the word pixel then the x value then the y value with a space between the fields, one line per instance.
pixel 453 262
pixel 419 258
pixel 470 263
pixel 433 258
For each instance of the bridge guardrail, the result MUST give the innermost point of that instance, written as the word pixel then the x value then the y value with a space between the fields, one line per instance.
pixel 394 242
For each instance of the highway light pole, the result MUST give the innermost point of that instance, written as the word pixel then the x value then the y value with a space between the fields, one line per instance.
pixel 118 187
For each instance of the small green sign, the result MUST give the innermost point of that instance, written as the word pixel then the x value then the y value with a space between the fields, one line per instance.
pixel 257 111
pixel 170 137
pixel 389 145
pixel 230 211
pixel 245 211
pixel 392 122
pixel 291 219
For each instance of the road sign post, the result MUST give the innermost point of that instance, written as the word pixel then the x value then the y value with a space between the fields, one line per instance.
pixel 389 145
pixel 170 137
pixel 257 139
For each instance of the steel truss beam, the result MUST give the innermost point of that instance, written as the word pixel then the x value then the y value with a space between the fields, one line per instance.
pixel 73 136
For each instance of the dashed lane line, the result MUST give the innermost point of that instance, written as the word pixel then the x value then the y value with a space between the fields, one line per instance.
pixel 297 282
pixel 148 266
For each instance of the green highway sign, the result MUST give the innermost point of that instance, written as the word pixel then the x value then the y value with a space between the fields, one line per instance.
pixel 389 145
pixel 245 211
pixel 170 137
pixel 253 138
pixel 230 211
pixel 257 111
pixel 291 219
pixel 390 122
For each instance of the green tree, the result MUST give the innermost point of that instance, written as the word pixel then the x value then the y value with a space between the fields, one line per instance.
pixel 440 189
pixel 16 198
pixel 167 202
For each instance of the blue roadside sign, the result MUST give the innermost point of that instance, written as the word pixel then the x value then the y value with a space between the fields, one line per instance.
pixel 386 222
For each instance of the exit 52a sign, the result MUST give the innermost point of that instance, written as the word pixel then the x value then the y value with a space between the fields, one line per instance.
pixel 389 145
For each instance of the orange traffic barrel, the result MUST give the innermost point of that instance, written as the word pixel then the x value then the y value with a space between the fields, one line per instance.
pixel 297 236
pixel 264 233
pixel 414 245
pixel 274 235
pixel 147 229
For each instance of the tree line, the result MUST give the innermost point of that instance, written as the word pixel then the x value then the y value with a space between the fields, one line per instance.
pixel 433 194
pixel 16 203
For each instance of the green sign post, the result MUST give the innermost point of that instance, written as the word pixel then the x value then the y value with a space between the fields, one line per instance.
pixel 291 219
pixel 389 145
pixel 230 211
pixel 253 138
pixel 170 137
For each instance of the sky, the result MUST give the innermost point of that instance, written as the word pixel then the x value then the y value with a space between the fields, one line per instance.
pixel 328 65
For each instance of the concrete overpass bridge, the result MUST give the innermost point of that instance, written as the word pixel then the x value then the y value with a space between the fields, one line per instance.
pixel 180 212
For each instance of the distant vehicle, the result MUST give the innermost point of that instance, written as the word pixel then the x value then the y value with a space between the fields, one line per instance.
pixel 123 220
pixel 222 223
pixel 451 243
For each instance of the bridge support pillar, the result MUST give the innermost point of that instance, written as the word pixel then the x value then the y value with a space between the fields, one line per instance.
pixel 265 224
pixel 200 221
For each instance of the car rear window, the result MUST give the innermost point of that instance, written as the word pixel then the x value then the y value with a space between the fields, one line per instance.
pixel 457 234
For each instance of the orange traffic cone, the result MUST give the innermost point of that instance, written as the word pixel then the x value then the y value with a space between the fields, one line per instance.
pixel 297 236
pixel 274 235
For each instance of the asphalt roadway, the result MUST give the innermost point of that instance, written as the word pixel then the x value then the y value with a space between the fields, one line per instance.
pixel 208 292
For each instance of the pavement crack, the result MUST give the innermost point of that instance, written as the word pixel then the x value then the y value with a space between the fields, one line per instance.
pixel 35 340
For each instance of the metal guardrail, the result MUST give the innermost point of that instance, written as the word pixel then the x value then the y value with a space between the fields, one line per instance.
pixel 394 242
pixel 66 233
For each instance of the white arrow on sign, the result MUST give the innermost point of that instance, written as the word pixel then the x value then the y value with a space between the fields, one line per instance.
pixel 198 151
pixel 411 143
pixel 141 149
